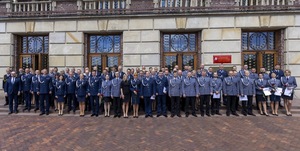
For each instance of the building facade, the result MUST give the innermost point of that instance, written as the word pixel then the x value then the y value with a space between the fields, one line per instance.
pixel 150 33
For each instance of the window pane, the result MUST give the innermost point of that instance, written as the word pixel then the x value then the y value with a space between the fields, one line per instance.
pixel 104 44
pixel 93 40
pixel 258 41
pixel 244 41
pixel 35 44
pixel 26 62
pixel 166 44
pixel 179 43
pixel 188 60
pixel 46 44
pixel 192 42
pixel 117 44
pixel 170 62
pixel 112 61
pixel 268 61
pixel 271 41
pixel 250 60
pixel 24 45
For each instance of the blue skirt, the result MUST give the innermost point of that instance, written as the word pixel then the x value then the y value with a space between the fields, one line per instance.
pixel 60 98
pixel 135 99
pixel 81 98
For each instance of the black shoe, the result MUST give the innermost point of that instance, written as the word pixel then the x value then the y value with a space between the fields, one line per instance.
pixel 186 115
pixel 202 114
pixel 218 113
pixel 252 114
pixel 194 115
pixel 165 115
pixel 47 113
pixel 42 114
pixel 172 115
pixel 17 112
pixel 235 114
pixel 245 114
pixel 115 116
pixel 92 115
pixel 119 116
pixel 179 115
pixel 146 116
pixel 5 104
pixel 157 115
pixel 97 115
pixel 24 109
pixel 208 115
pixel 10 113
pixel 151 116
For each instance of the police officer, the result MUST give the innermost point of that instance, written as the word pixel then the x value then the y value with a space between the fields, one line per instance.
pixel 216 84
pixel 190 92
pixel 94 91
pixel 205 92
pixel 12 89
pixel 253 74
pixel 175 94
pixel 231 91
pixel 221 72
pixel 147 91
pixel 116 94
pixel 279 73
pixel 81 93
pixel 71 86
pixel 34 89
pixel 106 94
pixel 161 86
pixel 5 78
pixel 44 90
pixel 26 80
pixel 247 88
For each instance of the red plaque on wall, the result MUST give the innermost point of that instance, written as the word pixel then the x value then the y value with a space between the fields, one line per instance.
pixel 222 58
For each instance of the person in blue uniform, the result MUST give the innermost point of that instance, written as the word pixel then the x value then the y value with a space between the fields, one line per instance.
pixel 231 91
pixel 205 92
pixel 5 78
pixel 12 89
pixel 221 72
pixel 26 80
pixel 54 80
pixel 289 82
pixel 44 90
pixel 253 74
pixel 190 92
pixel 260 97
pixel 34 89
pixel 71 86
pixel 216 84
pixel 81 94
pixel 175 93
pixel 94 91
pixel 274 83
pixel 135 85
pixel 161 86
pixel 106 94
pixel 60 94
pixel 247 88
pixel 147 91
pixel 116 94
pixel 125 95
pixel 278 72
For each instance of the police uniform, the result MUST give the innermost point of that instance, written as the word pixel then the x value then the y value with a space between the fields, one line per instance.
pixel 161 86
pixel 34 89
pixel 81 90
pixel 5 78
pixel 216 84
pixel 135 85
pixel 116 93
pixel 247 88
pixel 260 84
pixel 94 87
pixel 60 90
pixel 71 86
pixel 231 90
pixel 288 82
pixel 44 88
pixel 175 93
pixel 273 84
pixel 12 88
pixel 26 80
pixel 189 91
pixel 147 90
pixel 205 91
pixel 106 90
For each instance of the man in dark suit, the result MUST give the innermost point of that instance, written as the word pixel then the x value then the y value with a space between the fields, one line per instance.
pixel 26 80
pixel 279 73
pixel 121 73
pixel 5 78
pixel 12 90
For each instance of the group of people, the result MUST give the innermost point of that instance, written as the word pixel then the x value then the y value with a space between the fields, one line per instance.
pixel 156 89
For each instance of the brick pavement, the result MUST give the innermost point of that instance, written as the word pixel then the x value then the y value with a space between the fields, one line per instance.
pixel 218 133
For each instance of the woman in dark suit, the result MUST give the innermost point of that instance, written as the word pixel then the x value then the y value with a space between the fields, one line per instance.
pixel 60 94
pixel 125 95
pixel 135 95
pixel 106 93
pixel 81 93
pixel 289 84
